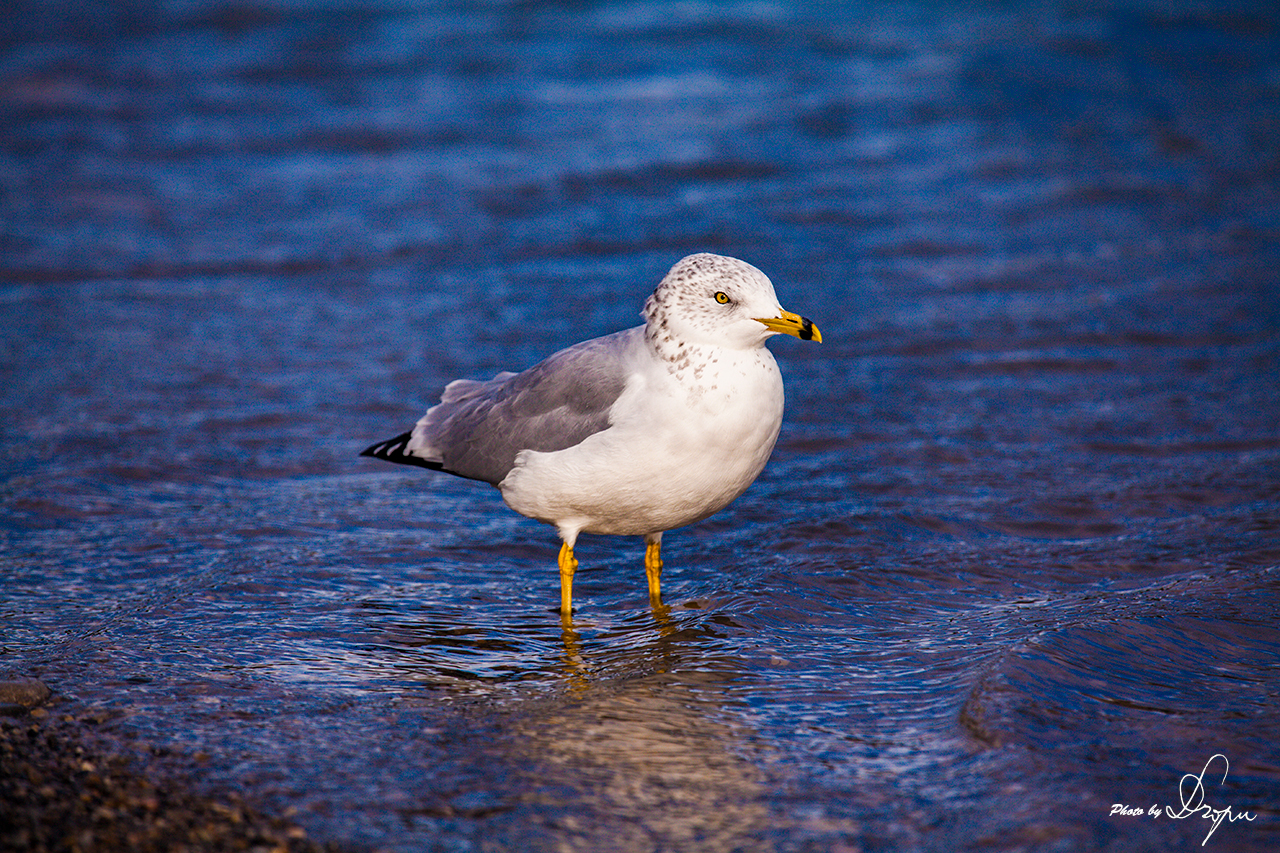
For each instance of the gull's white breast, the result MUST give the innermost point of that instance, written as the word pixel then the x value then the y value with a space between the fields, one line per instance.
pixel 684 441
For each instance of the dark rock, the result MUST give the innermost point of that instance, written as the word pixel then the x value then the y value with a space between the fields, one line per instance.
pixel 20 695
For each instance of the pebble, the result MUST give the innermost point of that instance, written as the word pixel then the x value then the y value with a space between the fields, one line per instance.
pixel 18 696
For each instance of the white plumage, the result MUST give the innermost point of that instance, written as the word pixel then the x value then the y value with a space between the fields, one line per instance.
pixel 634 433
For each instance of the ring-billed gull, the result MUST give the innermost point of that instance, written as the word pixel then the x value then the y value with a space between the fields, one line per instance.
pixel 634 433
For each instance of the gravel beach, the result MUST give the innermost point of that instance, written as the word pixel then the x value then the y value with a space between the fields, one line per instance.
pixel 65 787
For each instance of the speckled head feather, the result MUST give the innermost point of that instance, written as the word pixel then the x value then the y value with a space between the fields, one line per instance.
pixel 709 299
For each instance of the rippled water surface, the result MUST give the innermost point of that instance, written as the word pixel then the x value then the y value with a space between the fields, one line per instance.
pixel 1016 558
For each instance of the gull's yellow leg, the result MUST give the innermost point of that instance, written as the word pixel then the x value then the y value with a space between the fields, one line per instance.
pixel 653 567
pixel 568 563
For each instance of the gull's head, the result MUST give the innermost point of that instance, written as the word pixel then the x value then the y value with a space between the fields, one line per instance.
pixel 713 299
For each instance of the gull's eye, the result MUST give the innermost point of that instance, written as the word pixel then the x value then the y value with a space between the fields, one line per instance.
pixel 722 297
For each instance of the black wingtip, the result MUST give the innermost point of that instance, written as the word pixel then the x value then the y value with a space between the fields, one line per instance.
pixel 396 450
pixel 390 449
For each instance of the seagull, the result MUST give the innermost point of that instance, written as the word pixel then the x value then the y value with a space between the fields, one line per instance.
pixel 634 433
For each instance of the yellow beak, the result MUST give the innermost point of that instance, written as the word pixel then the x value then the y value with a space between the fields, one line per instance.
pixel 792 324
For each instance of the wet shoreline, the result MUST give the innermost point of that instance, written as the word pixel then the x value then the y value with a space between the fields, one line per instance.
pixel 65 786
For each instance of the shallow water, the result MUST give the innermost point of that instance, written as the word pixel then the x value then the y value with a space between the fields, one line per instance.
pixel 1015 559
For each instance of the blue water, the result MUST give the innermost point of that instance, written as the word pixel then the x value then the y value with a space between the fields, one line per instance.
pixel 1016 558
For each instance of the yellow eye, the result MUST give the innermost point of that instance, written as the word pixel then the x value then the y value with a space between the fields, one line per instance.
pixel 722 297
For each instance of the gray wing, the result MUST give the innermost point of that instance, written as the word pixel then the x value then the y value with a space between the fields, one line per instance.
pixel 478 427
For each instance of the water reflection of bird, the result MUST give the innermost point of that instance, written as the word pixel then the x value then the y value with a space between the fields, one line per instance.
pixel 633 433
pixel 639 763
